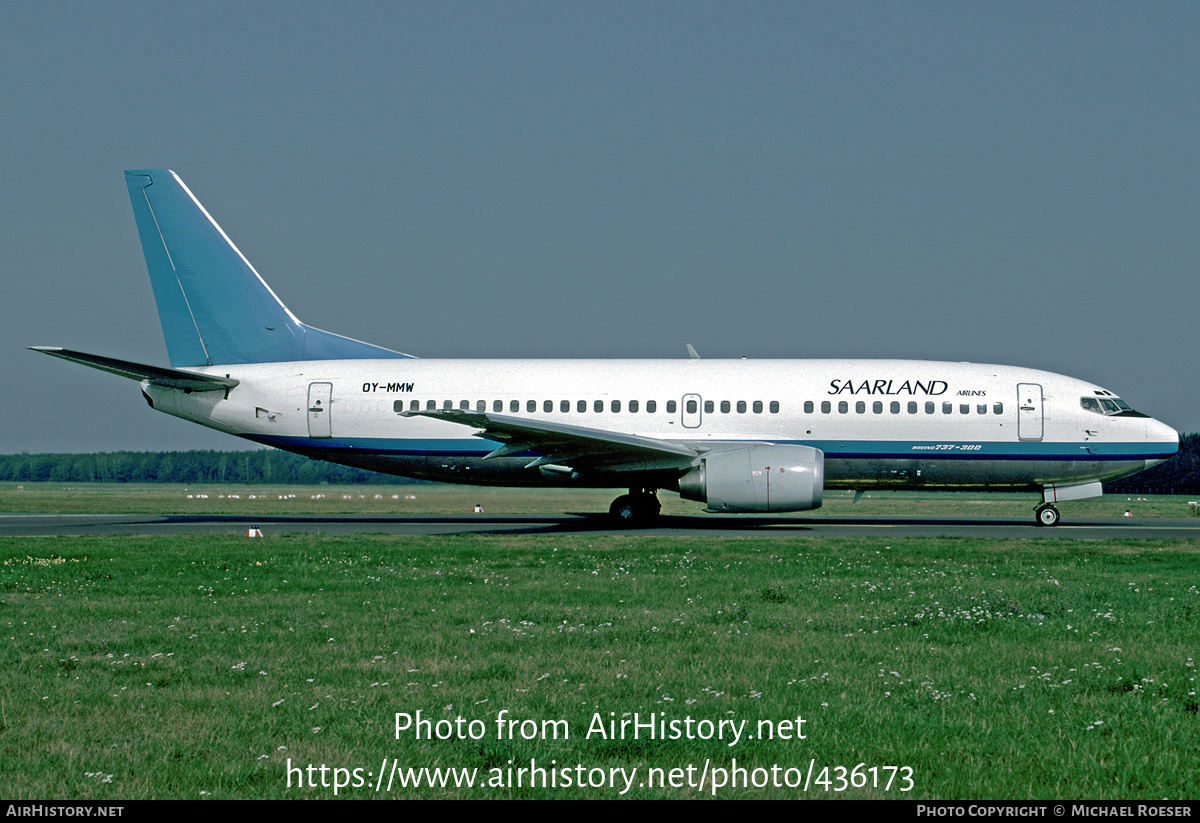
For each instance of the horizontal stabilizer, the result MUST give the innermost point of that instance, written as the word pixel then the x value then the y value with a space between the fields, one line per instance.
pixel 169 378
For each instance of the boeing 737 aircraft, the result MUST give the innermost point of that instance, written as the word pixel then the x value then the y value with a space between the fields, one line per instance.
pixel 736 435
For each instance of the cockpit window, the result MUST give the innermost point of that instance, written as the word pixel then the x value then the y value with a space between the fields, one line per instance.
pixel 1109 406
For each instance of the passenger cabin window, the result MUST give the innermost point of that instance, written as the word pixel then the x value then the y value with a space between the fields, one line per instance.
pixel 651 406
pixel 725 407
pixel 808 407
pixel 757 407
pixel 633 406
pixel 670 407
pixel 775 407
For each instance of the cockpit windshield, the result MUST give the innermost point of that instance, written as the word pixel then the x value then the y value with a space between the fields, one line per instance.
pixel 1109 405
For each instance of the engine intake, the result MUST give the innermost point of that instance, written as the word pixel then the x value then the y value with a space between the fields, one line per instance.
pixel 758 479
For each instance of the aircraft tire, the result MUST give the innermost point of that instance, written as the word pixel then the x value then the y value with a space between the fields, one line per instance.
pixel 636 509
pixel 623 509
pixel 1047 516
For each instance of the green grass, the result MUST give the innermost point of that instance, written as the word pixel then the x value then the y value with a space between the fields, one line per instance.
pixel 188 667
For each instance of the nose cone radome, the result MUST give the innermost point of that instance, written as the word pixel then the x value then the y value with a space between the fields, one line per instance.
pixel 1162 435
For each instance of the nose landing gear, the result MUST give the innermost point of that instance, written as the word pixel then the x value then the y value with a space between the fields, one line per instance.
pixel 1046 515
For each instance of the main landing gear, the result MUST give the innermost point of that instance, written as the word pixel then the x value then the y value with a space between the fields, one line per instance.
pixel 638 508
pixel 1046 515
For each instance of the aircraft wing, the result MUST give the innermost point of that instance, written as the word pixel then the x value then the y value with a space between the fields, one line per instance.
pixel 561 444
pixel 171 378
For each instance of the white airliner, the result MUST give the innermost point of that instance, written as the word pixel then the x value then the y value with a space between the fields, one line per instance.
pixel 736 435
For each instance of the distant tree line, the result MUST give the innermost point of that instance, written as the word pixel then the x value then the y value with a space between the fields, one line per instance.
pixel 1180 475
pixel 241 468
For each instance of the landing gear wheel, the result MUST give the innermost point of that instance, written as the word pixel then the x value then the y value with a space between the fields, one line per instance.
pixel 635 508
pixel 624 509
pixel 1047 515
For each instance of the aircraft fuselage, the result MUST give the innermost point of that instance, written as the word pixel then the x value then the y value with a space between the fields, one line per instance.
pixel 880 423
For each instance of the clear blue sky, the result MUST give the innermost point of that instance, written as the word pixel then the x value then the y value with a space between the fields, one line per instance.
pixel 998 182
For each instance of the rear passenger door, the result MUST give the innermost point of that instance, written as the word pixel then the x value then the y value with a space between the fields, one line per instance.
pixel 319 397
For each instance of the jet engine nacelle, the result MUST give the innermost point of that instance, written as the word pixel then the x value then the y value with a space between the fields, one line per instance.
pixel 758 479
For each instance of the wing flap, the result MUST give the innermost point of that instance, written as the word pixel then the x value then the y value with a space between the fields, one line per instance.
pixel 561 443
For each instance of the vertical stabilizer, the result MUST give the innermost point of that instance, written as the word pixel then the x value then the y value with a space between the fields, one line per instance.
pixel 213 306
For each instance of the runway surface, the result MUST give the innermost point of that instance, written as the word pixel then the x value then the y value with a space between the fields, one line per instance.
pixel 1115 528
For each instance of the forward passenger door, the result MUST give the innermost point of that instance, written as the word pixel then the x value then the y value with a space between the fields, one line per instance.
pixel 1029 411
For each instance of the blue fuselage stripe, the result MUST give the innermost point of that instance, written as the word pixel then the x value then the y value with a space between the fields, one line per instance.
pixel 835 449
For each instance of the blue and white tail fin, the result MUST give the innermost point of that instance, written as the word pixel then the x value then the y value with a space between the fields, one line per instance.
pixel 214 307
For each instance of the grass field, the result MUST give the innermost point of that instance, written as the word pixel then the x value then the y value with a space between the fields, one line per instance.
pixel 221 667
